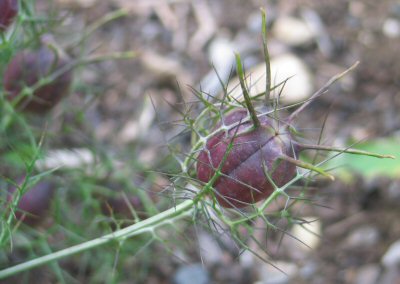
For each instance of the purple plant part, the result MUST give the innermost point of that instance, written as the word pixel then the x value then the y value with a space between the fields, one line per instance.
pixel 254 163
pixel 8 10
pixel 27 68
pixel 34 203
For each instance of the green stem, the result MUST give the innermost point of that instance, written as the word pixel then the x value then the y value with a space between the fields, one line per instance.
pixel 307 166
pixel 178 212
pixel 343 150
pixel 266 56
pixel 246 95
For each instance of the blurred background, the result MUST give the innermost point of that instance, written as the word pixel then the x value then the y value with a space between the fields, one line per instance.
pixel 119 108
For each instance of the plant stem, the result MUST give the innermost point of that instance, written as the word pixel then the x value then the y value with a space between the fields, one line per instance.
pixel 342 150
pixel 247 99
pixel 307 166
pixel 178 212
pixel 266 56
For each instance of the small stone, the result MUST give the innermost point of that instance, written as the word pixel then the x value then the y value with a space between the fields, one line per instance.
pixel 308 270
pixel 210 250
pixel 293 31
pixel 391 258
pixel 394 9
pixel 247 259
pixel 280 274
pixel 391 28
pixel 390 276
pixel 393 192
pixel 368 274
pixel 298 87
pixel 315 23
pixel 221 56
pixel 66 158
pixel 309 232
pixel 363 237
pixel 254 20
pixel 191 274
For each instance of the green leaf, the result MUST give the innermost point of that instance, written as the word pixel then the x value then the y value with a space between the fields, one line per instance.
pixel 367 166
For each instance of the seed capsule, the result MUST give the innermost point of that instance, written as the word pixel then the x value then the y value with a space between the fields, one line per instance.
pixel 256 155
pixel 33 205
pixel 8 10
pixel 27 69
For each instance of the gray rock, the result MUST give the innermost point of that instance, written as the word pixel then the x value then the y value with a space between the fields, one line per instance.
pixel 309 232
pixel 210 250
pixel 221 56
pixel 299 85
pixel 391 28
pixel 293 31
pixel 308 270
pixel 391 258
pixel 363 237
pixel 271 275
pixel 368 274
pixel 247 259
pixel 390 276
pixel 254 21
pixel 314 22
pixel 191 274
pixel 394 191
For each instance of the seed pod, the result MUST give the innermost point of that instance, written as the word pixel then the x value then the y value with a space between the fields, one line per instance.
pixel 8 10
pixel 27 68
pixel 256 157
pixel 33 205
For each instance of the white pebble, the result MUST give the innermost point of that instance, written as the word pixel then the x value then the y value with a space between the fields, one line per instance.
pixel 392 256
pixel 309 232
pixel 298 87
pixel 292 31
pixel 391 28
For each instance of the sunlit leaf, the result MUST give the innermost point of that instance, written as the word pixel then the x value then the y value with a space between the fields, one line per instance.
pixel 367 166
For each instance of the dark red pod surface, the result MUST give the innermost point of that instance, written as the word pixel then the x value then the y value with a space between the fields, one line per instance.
pixel 243 180
pixel 8 10
pixel 27 68
pixel 33 205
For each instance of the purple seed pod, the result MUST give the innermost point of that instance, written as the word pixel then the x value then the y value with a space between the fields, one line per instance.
pixel 27 68
pixel 33 205
pixel 8 10
pixel 256 157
